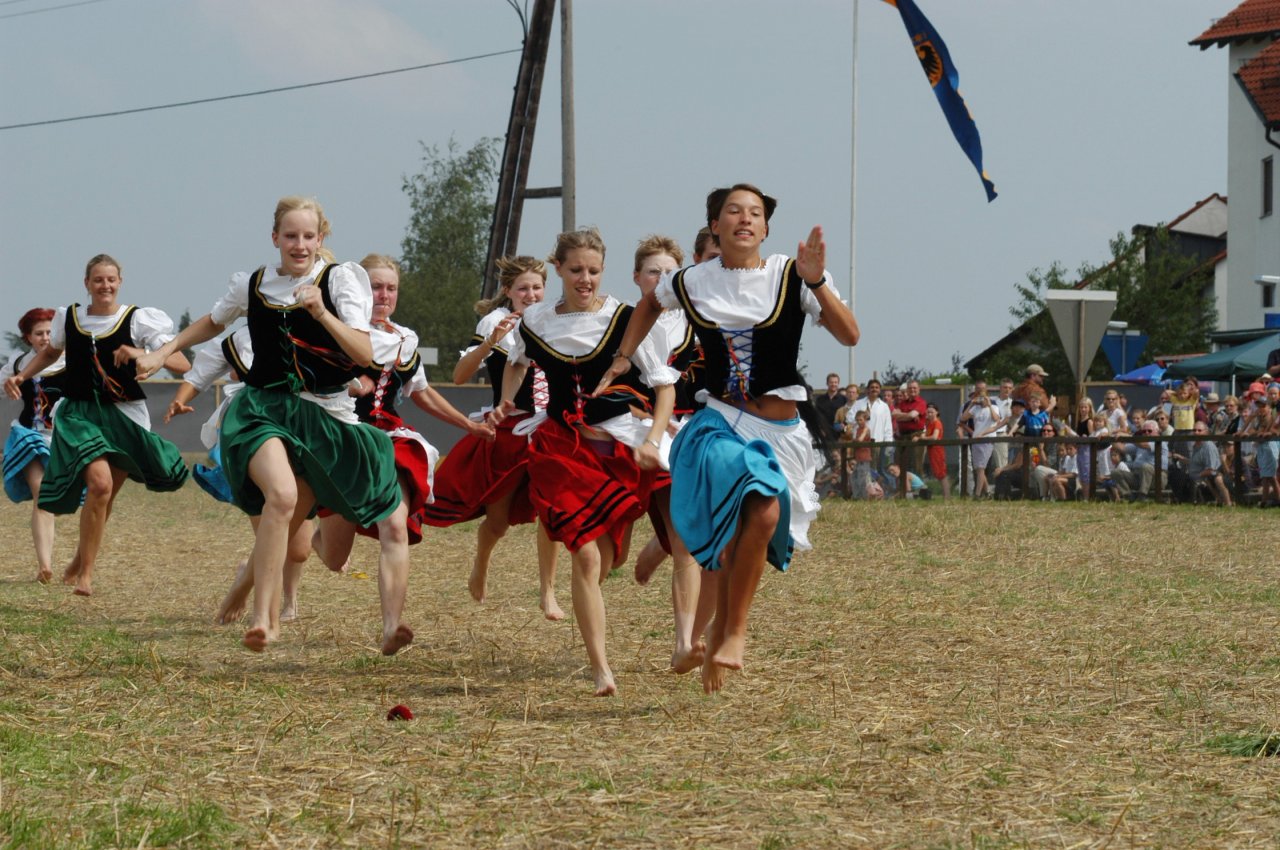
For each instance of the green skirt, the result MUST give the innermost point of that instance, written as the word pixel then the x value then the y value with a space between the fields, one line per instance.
pixel 88 430
pixel 350 468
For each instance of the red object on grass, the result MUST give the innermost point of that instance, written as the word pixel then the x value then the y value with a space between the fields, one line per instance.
pixel 400 712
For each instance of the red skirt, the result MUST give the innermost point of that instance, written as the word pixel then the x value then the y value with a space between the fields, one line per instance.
pixel 415 466
pixel 583 489
pixel 479 472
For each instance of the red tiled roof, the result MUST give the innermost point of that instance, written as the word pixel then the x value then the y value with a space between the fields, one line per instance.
pixel 1251 20
pixel 1260 77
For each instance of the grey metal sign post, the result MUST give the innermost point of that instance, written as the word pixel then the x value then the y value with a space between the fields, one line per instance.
pixel 1081 317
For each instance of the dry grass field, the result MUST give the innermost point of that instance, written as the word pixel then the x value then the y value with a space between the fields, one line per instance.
pixel 934 675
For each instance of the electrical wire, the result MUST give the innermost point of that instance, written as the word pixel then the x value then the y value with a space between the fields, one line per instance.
pixel 255 93
pixel 45 9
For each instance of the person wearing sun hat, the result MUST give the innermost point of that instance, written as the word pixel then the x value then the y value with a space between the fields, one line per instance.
pixel 1033 384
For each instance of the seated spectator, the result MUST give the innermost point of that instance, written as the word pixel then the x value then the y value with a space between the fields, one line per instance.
pixel 1137 418
pixel 1161 405
pixel 1134 482
pixel 916 488
pixel 827 481
pixel 1108 486
pixel 1066 482
pixel 1203 465
pixel 1046 465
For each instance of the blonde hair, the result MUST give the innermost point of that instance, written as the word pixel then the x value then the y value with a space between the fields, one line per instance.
pixel 102 260
pixel 292 203
pixel 571 240
pixel 653 244
pixel 510 268
pixel 380 261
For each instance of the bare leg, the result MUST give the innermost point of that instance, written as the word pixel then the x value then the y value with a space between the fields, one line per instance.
pixel 41 524
pixel 547 553
pixel 492 529
pixel 299 552
pixel 980 483
pixel 686 579
pixel 393 579
pixel 649 559
pixel 270 470
pixel 713 674
pixel 232 607
pixel 588 607
pixel 333 538
pixel 102 482
pixel 738 585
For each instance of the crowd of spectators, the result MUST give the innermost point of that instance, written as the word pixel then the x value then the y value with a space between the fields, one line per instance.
pixel 1192 465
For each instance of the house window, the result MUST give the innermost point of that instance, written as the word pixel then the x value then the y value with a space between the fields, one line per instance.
pixel 1267 184
pixel 1268 296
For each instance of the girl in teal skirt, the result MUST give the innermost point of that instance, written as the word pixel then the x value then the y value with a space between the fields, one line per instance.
pixel 104 431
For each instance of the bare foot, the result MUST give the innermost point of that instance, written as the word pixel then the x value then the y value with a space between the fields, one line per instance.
pixel 477 580
pixel 83 588
pixel 730 652
pixel 648 561
pixel 397 640
pixel 289 612
pixel 232 607
pixel 72 573
pixel 44 575
pixel 712 676
pixel 550 608
pixel 255 639
pixel 685 660
pixel 605 686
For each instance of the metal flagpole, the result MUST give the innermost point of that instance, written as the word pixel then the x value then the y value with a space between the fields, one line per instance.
pixel 853 179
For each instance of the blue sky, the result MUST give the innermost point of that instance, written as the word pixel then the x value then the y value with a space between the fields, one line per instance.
pixel 1095 115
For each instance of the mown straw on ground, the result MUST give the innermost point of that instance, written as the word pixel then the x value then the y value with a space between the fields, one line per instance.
pixel 938 675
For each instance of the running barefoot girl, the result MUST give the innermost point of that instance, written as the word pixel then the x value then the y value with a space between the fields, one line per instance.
pixel 104 431
pixel 396 369
pixel 656 256
pixel 592 463
pixel 233 355
pixel 742 469
pixel 290 439
pixel 26 451
pixel 489 478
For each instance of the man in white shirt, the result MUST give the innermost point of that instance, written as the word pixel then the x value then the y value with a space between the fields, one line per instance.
pixel 879 420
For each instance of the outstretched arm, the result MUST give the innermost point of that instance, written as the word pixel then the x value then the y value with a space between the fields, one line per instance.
pixel 643 317
pixel 181 401
pixel 429 400
pixel 201 330
pixel 811 263
pixel 44 358
pixel 646 454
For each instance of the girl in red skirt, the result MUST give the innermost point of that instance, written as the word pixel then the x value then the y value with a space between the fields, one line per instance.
pixel 593 462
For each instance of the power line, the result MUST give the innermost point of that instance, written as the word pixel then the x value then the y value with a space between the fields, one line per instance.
pixel 45 9
pixel 255 93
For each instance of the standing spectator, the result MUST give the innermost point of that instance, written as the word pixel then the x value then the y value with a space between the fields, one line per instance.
pixel 880 423
pixel 843 421
pixel 827 404
pixel 909 414
pixel 1033 384
pixel 1267 453
pixel 1217 416
pixel 1117 420
pixel 1033 419
pixel 1137 418
pixel 1231 410
pixel 937 453
pixel 1162 404
pixel 860 475
pixel 980 418
pixel 1004 402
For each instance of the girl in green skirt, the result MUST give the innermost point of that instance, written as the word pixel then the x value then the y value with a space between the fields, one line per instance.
pixel 104 431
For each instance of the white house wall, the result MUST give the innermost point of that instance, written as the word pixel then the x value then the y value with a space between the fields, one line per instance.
pixel 1253 242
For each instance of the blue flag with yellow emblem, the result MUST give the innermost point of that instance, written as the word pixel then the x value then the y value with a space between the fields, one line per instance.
pixel 945 80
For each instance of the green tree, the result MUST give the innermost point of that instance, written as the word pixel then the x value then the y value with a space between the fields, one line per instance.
pixel 1160 290
pixel 446 244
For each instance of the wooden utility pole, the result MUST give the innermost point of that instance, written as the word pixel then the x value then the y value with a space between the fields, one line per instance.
pixel 513 179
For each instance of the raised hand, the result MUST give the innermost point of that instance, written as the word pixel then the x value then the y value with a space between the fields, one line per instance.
pixel 500 330
pixel 811 256
pixel 176 408
pixel 310 298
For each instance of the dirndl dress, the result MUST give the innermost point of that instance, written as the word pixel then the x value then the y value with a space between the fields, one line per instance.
pixel 22 447
pixel 88 430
